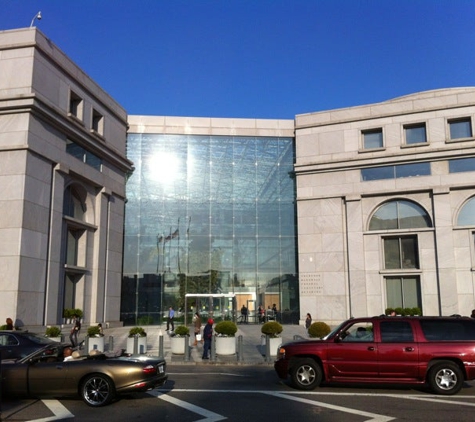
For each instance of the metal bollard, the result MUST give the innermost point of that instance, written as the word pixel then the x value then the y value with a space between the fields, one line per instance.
pixel 86 343
pixel 111 343
pixel 240 356
pixel 268 357
pixel 187 349
pixel 160 345
pixel 213 349
pixel 136 345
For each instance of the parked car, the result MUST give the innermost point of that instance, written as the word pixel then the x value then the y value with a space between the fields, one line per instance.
pixel 96 378
pixel 18 344
pixel 434 351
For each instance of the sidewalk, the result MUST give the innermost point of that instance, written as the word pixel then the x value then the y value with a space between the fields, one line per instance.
pixel 253 344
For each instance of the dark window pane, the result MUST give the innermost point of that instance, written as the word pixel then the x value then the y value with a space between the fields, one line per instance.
pixel 373 139
pixel 460 129
pixel 415 134
pixel 412 170
pixel 461 165
pixel 377 173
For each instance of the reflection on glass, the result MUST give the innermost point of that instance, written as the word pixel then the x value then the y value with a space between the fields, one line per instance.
pixel 209 214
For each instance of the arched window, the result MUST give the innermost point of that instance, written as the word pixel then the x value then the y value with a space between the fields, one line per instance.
pixel 466 216
pixel 399 214
pixel 74 205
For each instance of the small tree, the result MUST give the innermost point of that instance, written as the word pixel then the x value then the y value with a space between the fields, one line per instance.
pixel 226 328
pixel 93 331
pixel 318 330
pixel 182 330
pixel 53 331
pixel 137 331
pixel 272 329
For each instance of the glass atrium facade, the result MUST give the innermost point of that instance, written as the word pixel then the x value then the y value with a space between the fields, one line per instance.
pixel 210 215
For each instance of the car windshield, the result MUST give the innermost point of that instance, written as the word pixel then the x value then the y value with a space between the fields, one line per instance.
pixel 38 339
pixel 334 331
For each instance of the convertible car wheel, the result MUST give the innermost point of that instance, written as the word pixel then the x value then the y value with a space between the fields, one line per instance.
pixel 97 390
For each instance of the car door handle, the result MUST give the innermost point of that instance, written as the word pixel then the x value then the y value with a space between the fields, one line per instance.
pixel 371 348
pixel 409 349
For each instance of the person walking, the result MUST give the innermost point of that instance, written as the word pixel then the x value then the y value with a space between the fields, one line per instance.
pixel 207 337
pixel 171 315
pixel 197 325
pixel 73 337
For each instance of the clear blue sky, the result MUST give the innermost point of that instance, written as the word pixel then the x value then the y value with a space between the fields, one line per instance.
pixel 258 58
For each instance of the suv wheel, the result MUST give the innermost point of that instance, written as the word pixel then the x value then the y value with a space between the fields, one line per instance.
pixel 306 374
pixel 445 378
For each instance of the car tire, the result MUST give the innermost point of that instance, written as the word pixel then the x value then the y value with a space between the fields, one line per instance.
pixel 445 378
pixel 97 390
pixel 306 374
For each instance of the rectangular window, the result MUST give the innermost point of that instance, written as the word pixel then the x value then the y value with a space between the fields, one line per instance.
pixel 415 134
pixel 75 105
pixel 372 138
pixel 403 292
pixel 401 253
pixel 395 172
pixel 97 122
pixel 460 128
pixel 461 165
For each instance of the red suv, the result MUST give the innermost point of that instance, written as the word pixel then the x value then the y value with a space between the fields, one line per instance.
pixel 438 351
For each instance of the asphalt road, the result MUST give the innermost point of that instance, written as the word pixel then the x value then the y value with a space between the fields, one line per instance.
pixel 210 393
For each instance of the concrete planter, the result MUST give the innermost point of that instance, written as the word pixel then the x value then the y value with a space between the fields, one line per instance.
pixel 274 344
pixel 178 344
pixel 95 343
pixel 141 346
pixel 225 346
pixel 58 339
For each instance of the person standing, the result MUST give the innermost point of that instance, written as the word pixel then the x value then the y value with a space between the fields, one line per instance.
pixel 171 315
pixel 9 322
pixel 197 325
pixel 73 337
pixel 473 314
pixel 244 314
pixel 308 321
pixel 207 337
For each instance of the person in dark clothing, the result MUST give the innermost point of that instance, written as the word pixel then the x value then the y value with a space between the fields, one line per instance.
pixel 73 337
pixel 207 337
pixel 9 324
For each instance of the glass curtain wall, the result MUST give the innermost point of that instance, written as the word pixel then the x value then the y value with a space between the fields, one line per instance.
pixel 209 214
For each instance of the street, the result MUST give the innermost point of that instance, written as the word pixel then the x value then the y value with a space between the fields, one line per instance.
pixel 237 393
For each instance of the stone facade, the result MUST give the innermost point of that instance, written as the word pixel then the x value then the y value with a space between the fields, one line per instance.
pixel 343 265
pixel 62 176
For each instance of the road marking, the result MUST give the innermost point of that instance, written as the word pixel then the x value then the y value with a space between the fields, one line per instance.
pixel 374 417
pixel 59 411
pixel 209 416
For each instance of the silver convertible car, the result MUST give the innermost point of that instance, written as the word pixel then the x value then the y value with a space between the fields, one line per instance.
pixel 96 379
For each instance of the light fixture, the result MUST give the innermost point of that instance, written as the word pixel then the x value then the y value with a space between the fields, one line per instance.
pixel 37 16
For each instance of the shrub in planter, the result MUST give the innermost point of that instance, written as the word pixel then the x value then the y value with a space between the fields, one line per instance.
pixel 53 331
pixel 226 328
pixel 68 313
pixel 137 332
pixel 78 312
pixel 416 311
pixel 399 311
pixel 94 331
pixel 318 329
pixel 182 331
pixel 272 329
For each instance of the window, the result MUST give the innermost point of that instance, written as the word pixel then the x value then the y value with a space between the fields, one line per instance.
pixel 97 122
pixel 466 216
pixel 415 134
pixel 460 128
pixel 403 292
pixel 75 105
pixel 399 214
pixel 372 138
pixel 396 331
pixel 73 205
pixel 401 253
pixel 395 172
pixel 360 332
pixel 82 154
pixel 455 330
pixel 461 165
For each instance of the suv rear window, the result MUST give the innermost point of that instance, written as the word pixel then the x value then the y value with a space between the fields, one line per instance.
pixel 448 330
